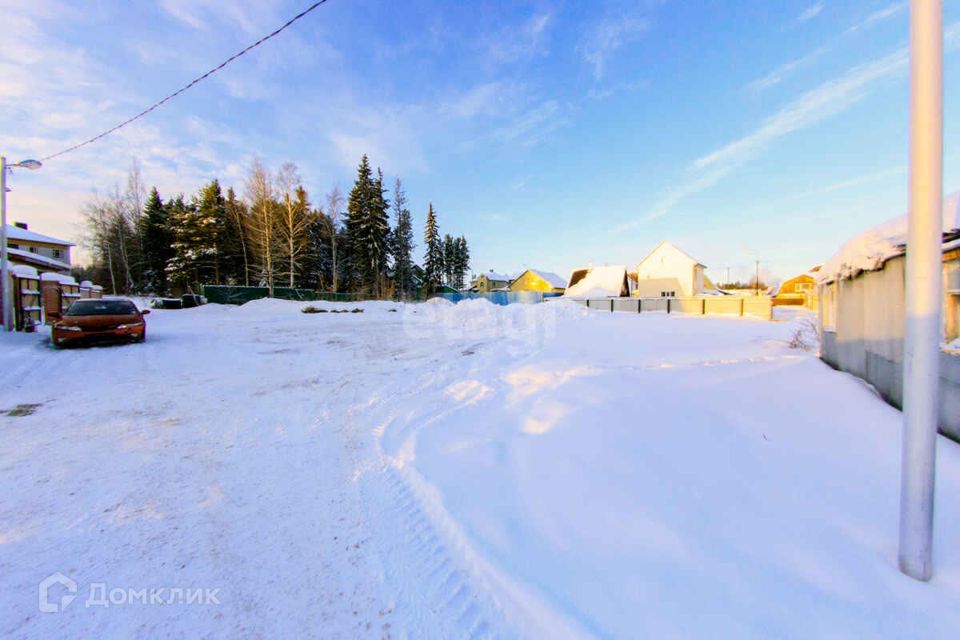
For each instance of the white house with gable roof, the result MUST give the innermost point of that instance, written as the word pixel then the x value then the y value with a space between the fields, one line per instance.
pixel 668 272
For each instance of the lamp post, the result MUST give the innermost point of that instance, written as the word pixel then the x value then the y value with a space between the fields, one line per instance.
pixel 7 307
pixel 921 346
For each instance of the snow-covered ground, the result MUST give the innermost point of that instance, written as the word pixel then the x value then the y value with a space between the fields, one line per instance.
pixel 441 471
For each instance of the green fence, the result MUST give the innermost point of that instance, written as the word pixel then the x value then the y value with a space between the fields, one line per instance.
pixel 224 294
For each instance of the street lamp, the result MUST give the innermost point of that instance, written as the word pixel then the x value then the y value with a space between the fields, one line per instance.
pixel 4 264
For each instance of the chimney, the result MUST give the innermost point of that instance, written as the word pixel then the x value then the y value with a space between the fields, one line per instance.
pixel 22 225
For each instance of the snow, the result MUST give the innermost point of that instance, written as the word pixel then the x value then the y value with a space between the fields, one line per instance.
pixel 468 470
pixel 24 235
pixel 600 282
pixel 58 277
pixel 24 271
pixel 872 248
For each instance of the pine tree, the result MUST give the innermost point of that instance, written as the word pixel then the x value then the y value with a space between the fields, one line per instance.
pixel 156 243
pixel 210 220
pixel 368 227
pixel 196 229
pixel 179 228
pixel 433 257
pixel 235 253
pixel 317 262
pixel 449 259
pixel 463 261
pixel 402 244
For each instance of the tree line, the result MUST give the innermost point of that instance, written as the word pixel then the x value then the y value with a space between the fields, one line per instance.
pixel 270 235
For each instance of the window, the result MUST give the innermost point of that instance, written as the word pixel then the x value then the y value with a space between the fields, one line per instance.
pixel 13 246
pixel 33 249
pixel 57 253
pixel 668 294
pixel 800 287
pixel 829 302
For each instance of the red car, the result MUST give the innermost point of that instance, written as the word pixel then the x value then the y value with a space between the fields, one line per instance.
pixel 100 320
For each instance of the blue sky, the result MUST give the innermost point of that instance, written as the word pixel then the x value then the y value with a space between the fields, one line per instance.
pixel 551 133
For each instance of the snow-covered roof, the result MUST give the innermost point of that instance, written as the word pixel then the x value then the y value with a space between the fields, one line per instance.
pixel 38 259
pixel 25 235
pixel 555 280
pixel 600 282
pixel 668 245
pixel 493 275
pixel 872 248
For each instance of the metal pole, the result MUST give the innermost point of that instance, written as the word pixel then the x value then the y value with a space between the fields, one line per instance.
pixel 921 352
pixel 4 272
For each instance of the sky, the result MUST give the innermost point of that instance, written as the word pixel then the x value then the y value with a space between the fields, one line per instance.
pixel 552 134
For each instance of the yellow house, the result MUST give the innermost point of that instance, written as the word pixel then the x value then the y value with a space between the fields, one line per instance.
pixel 800 290
pixel 537 280
pixel 490 281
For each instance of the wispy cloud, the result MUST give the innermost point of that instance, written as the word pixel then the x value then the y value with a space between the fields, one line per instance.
pixel 822 102
pixel 810 13
pixel 878 16
pixel 778 75
pixel 533 125
pixel 527 40
pixel 607 36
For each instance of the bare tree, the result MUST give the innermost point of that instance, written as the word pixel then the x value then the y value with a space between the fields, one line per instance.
pixel 334 206
pixel 259 192
pixel 294 217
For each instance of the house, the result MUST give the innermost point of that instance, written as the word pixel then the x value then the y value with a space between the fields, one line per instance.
pixel 539 280
pixel 799 290
pixel 44 253
pixel 667 272
pixel 862 307
pixel 490 281
pixel 608 281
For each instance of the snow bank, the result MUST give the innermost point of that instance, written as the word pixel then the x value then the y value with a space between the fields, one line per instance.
pixel 869 250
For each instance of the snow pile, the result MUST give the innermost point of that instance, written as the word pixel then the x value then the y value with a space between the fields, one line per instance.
pixel 24 271
pixel 869 250
pixel 57 277
pixel 600 282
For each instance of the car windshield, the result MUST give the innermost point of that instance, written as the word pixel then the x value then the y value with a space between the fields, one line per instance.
pixel 101 308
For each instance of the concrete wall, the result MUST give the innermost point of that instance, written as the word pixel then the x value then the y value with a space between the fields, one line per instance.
pixel 754 306
pixel 866 338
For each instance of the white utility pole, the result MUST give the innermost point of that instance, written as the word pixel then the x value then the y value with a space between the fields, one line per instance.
pixel 921 349
pixel 6 304
pixel 4 272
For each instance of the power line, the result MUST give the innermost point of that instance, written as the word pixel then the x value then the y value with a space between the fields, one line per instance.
pixel 188 85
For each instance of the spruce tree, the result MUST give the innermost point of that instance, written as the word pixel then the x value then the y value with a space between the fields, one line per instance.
pixel 402 244
pixel 368 227
pixel 449 260
pixel 197 229
pixel 234 246
pixel 433 256
pixel 156 243
pixel 463 261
